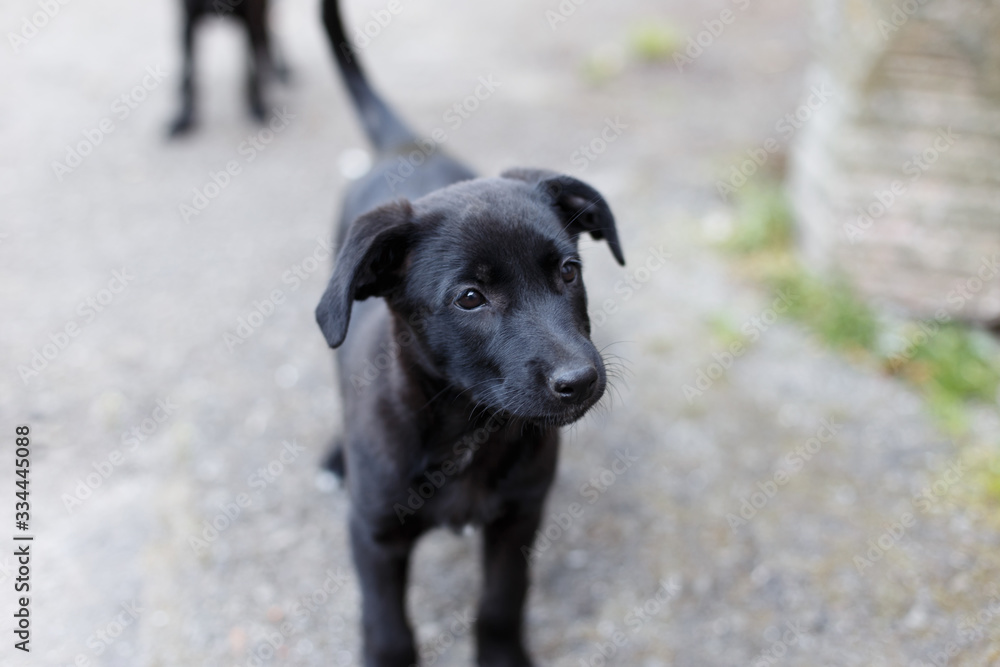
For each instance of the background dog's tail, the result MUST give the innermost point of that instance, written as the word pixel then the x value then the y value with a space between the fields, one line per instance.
pixel 384 128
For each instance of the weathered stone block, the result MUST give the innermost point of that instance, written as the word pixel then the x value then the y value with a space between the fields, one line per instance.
pixel 896 182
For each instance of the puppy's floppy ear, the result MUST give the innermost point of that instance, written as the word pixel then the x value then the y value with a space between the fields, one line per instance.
pixel 369 263
pixel 581 207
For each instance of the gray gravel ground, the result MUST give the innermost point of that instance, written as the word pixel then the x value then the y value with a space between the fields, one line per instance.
pixel 782 589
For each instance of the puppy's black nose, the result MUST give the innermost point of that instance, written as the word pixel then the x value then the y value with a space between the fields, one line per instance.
pixel 574 385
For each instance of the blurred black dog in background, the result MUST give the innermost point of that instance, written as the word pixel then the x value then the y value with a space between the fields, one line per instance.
pixel 456 378
pixel 253 15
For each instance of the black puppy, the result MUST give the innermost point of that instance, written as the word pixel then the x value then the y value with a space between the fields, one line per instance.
pixel 456 381
pixel 253 15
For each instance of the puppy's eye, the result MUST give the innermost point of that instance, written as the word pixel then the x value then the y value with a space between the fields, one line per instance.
pixel 470 300
pixel 569 270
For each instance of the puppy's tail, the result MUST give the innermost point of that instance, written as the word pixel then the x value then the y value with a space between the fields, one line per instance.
pixel 384 128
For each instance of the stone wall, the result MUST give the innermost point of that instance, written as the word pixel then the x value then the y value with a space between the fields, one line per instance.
pixel 896 182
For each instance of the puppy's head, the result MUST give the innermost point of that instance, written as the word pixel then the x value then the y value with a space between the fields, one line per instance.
pixel 486 275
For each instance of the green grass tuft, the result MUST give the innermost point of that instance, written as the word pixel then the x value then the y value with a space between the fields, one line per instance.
pixel 952 361
pixel 831 309
pixel 764 220
pixel 605 63
pixel 991 478
pixel 655 41
pixel 953 365
pixel 724 330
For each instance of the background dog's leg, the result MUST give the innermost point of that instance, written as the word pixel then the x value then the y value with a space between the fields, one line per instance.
pixel 185 119
pixel 505 585
pixel 278 63
pixel 381 565
pixel 260 59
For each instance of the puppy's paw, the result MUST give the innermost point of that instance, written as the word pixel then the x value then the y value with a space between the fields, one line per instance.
pixel 509 658
pixel 181 126
pixel 258 111
pixel 497 652
pixel 386 658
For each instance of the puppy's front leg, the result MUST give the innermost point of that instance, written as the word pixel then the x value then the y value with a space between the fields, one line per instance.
pixel 260 60
pixel 185 119
pixel 505 585
pixel 381 562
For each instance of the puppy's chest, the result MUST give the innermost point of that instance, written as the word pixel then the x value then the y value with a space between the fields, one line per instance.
pixel 462 502
pixel 474 485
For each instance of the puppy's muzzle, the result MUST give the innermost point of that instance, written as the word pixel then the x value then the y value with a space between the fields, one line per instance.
pixel 574 386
